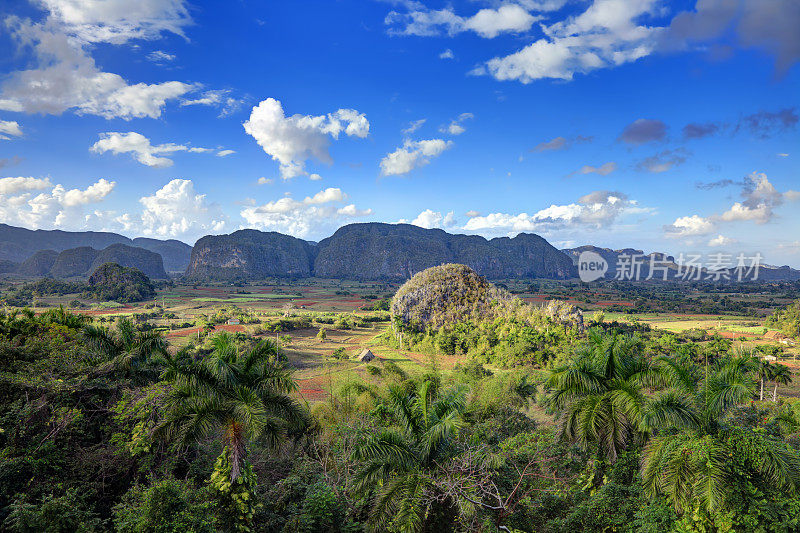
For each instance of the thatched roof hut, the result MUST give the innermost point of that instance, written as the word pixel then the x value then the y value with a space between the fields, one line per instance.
pixel 366 356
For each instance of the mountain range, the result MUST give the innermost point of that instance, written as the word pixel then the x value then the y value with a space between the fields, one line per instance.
pixel 19 244
pixel 365 251
pixel 612 257
pixel 374 251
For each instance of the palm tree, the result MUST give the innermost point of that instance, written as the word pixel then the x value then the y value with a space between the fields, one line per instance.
pixel 124 348
pixel 780 375
pixel 241 395
pixel 397 461
pixel 598 396
pixel 689 459
pixel 765 370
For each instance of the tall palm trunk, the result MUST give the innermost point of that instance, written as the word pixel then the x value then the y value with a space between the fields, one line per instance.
pixel 761 396
pixel 235 442
pixel 775 393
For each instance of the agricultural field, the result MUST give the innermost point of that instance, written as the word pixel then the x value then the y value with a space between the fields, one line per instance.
pixel 187 313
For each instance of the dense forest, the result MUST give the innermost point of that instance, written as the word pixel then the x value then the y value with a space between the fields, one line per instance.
pixel 112 429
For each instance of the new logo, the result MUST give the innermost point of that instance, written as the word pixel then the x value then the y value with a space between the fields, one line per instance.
pixel 591 266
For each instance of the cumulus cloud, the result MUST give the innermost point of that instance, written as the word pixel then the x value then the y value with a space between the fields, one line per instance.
pixel 663 161
pixel 293 140
pixel 36 203
pixel 178 211
pixel 488 23
pixel 67 77
pixel 604 170
pixel 118 21
pixel 224 153
pixel 23 184
pixel 411 155
pixel 593 211
pixel 643 130
pixel 560 143
pixel 140 148
pixel 456 126
pixel 8 129
pixel 313 215
pixel 607 34
pixel 447 54
pixel 759 200
pixel 721 240
pixel 689 226
pixel 430 219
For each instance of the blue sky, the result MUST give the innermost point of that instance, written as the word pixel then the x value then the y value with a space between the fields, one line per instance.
pixel 636 123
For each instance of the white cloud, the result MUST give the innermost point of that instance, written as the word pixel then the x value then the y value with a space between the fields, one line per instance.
pixel 9 127
pixel 118 21
pixel 447 54
pixel 325 196
pixel 223 153
pixel 178 211
pixel 593 211
pixel 488 23
pixel 411 155
pixel 140 148
pixel 67 78
pixel 456 126
pixel 293 140
pixel 604 170
pixel 315 177
pixel 314 215
pixel 265 181
pixel 689 226
pixel 434 219
pixel 219 98
pixel 23 184
pixel 414 126
pixel 721 240
pixel 607 34
pixel 53 207
pixel 159 56
pixel 760 198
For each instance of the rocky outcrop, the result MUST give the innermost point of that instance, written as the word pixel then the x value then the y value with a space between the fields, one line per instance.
pixel 150 263
pixel 111 281
pixel 375 251
pixel 248 254
pixel 82 261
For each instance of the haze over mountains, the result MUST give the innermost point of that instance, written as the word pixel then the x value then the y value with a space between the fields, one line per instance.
pixel 366 251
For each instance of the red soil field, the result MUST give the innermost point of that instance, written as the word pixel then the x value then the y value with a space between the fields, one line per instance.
pixel 233 328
